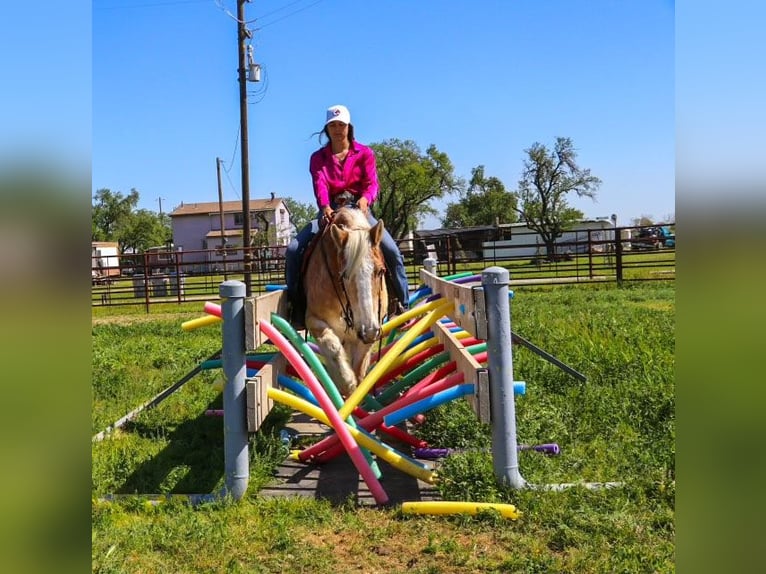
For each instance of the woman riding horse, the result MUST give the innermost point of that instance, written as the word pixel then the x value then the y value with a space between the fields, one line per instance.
pixel 343 173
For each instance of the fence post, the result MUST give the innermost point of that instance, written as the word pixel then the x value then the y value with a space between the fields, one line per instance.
pixel 618 255
pixel 236 457
pixel 505 458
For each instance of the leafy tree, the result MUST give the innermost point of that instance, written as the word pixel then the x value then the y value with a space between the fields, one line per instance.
pixel 548 177
pixel 485 202
pixel 109 210
pixel 142 229
pixel 643 220
pixel 114 218
pixel 300 214
pixel 409 180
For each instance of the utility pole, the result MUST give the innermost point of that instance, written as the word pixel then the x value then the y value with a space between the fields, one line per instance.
pixel 242 35
pixel 160 200
pixel 220 213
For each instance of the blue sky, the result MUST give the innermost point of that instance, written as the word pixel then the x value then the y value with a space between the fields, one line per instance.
pixel 482 81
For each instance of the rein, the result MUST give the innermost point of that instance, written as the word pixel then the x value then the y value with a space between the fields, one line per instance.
pixel 348 313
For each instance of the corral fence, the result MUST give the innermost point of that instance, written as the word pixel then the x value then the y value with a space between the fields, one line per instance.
pixel 623 254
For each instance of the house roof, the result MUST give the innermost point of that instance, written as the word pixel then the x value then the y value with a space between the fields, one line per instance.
pixel 211 207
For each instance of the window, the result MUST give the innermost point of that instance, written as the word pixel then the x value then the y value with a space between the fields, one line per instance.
pixel 238 219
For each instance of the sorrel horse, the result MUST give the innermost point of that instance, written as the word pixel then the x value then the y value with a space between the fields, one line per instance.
pixel 346 295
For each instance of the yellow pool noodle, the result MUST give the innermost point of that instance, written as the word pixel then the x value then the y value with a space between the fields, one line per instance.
pixel 362 439
pixel 200 322
pixel 454 507
pixel 410 314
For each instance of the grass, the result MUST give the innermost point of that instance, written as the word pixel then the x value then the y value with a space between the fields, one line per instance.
pixel 617 426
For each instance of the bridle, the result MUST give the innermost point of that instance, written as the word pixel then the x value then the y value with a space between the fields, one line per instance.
pixel 344 300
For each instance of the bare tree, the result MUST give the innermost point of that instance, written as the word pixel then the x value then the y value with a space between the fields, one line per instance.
pixel 547 179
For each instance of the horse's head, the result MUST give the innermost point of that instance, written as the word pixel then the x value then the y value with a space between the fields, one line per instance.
pixel 362 271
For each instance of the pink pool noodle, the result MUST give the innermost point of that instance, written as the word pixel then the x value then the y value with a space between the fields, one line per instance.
pixel 212 309
pixel 354 452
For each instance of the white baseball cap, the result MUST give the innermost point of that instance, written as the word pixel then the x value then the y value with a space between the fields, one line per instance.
pixel 338 114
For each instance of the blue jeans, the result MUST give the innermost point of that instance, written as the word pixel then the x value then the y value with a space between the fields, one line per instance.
pixel 391 255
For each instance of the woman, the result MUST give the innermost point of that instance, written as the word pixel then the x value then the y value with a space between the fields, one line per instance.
pixel 343 172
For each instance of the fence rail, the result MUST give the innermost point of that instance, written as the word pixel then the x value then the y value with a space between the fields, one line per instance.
pixel 618 255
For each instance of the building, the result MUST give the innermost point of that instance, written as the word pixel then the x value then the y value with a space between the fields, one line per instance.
pixel 105 259
pixel 197 230
pixel 593 234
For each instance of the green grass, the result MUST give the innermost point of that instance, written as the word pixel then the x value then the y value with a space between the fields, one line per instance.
pixel 617 426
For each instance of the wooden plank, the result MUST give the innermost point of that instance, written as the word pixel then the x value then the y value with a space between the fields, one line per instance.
pixel 466 364
pixel 483 409
pixel 462 295
pixel 259 404
pixel 260 308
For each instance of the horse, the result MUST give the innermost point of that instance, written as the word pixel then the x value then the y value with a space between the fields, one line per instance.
pixel 346 295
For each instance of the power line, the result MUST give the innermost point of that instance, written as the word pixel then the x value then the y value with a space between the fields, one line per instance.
pixel 150 4
pixel 288 15
pixel 236 143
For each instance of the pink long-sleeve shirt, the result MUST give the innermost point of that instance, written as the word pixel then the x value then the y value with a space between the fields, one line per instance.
pixel 358 175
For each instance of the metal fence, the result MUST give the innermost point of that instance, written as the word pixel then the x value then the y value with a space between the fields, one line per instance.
pixel 616 255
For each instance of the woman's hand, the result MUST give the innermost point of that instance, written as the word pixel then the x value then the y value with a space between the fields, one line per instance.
pixel 363 205
pixel 327 214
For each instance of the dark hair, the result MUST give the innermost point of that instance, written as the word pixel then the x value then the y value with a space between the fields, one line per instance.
pixel 323 132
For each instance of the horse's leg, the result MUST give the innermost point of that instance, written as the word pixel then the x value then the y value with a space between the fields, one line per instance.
pixel 360 359
pixel 336 359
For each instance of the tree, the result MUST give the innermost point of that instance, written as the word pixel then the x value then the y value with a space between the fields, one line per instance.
pixel 548 177
pixel 142 229
pixel 485 202
pixel 109 211
pixel 643 220
pixel 114 218
pixel 300 214
pixel 409 180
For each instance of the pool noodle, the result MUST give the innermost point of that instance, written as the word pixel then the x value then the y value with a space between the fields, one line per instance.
pixel 336 420
pixel 455 507
pixel 387 454
pixel 200 322
pixel 369 380
pixel 373 420
pixel 321 373
pixel 428 403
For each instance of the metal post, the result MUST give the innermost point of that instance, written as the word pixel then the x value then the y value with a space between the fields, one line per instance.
pixel 236 456
pixel 244 147
pixel 505 459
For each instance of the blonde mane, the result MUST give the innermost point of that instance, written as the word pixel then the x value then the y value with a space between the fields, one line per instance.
pixel 356 251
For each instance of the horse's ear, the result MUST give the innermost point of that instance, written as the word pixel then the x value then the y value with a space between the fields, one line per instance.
pixel 376 233
pixel 339 236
